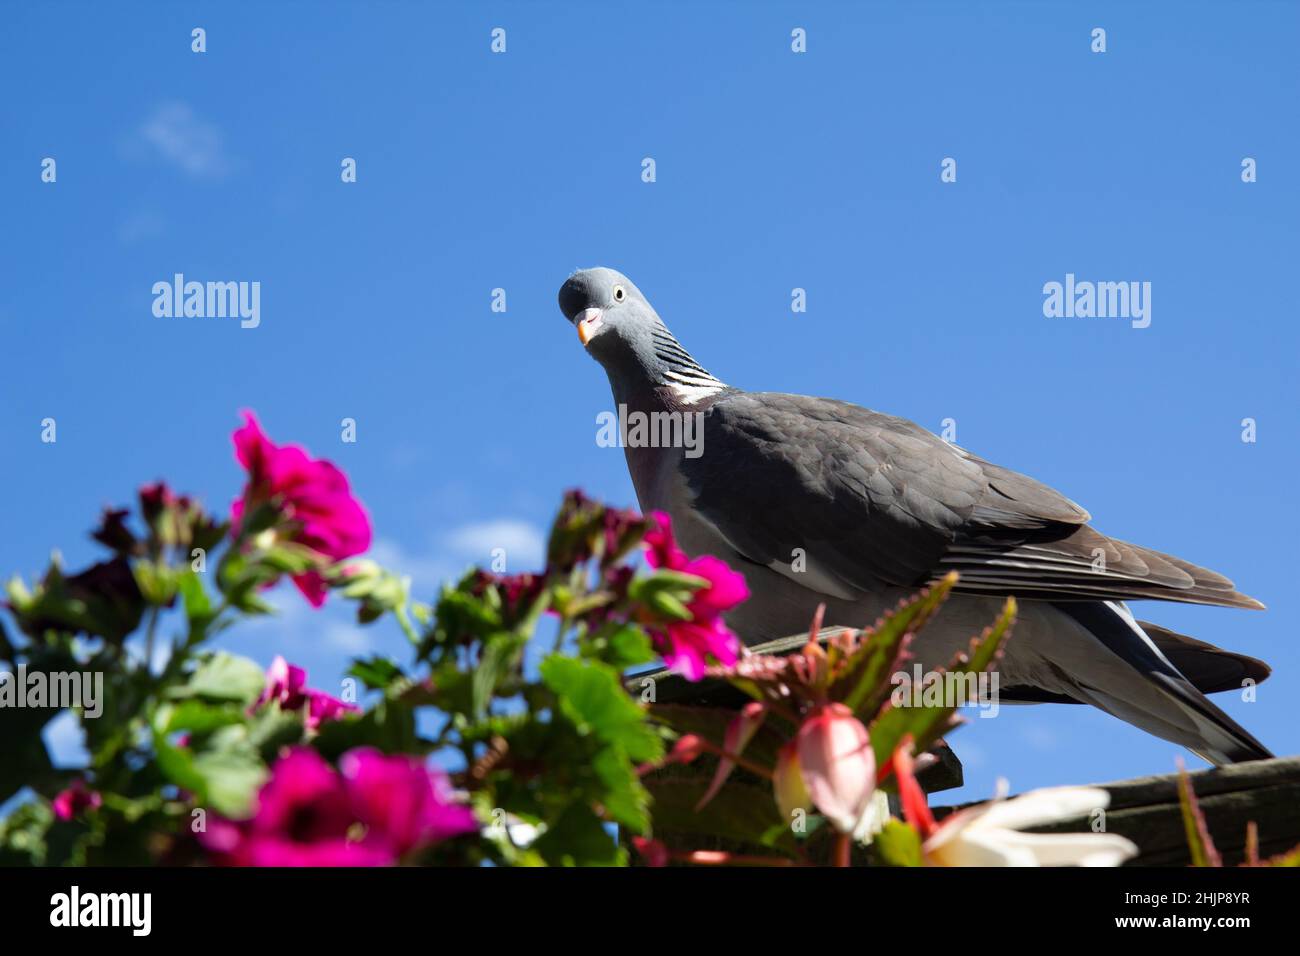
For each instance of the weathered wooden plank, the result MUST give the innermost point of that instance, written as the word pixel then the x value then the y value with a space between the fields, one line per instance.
pixel 1146 811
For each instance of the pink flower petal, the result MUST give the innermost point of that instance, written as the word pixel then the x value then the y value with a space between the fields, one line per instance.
pixel 318 507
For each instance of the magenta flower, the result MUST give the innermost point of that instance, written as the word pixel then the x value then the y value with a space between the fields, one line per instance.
pixel 685 645
pixel 518 592
pixel 303 818
pixel 322 708
pixel 70 802
pixel 411 805
pixel 287 686
pixel 312 494
pixel 654 852
pixel 372 814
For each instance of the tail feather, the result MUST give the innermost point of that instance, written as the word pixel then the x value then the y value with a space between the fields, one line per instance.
pixel 1210 669
pixel 1166 703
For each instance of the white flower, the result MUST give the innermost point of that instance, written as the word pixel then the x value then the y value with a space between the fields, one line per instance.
pixel 988 835
pixel 874 820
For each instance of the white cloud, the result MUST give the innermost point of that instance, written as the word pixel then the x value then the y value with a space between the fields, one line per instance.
pixel 459 548
pixel 175 134
pixel 427 572
pixel 348 638
pixel 523 544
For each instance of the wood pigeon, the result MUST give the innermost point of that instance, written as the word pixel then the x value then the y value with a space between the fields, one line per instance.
pixel 819 501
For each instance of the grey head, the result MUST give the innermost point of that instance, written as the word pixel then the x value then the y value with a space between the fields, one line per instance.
pixel 621 330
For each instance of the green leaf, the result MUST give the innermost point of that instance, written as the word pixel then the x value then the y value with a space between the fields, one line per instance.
pixel 272 728
pixel 157 582
pixel 624 798
pixel 927 723
pixel 224 676
pixel 289 558
pixel 629 646
pixel 621 646
pixel 388 726
pixel 897 844
pixel 460 615
pixel 592 696
pixel 196 716
pixel 867 672
pixel 233 778
pixel 242 580
pixel 224 774
pixel 579 838
pixel 23 834
pixel 23 758
pixel 501 656
pixel 377 673
pixel 1289 858
pixel 668 606
pixel 102 600
pixel 198 606
pixel 1199 842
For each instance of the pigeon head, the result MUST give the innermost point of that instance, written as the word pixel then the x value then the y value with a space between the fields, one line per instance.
pixel 622 331
pixel 604 306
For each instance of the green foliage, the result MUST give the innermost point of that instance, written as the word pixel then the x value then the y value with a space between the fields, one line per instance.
pixel 553 757
pixel 898 845
pixel 559 750
pixel 925 723
pixel 223 677
pixel 102 601
pixel 865 683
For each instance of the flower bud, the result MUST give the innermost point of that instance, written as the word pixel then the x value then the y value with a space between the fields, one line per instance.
pixel 838 765
pixel 787 783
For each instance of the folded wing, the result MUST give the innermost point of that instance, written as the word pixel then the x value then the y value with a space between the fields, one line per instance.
pixel 872 499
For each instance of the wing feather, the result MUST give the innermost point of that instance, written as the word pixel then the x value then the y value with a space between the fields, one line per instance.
pixel 878 500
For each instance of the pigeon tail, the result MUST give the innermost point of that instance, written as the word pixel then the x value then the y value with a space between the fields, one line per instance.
pixel 1167 704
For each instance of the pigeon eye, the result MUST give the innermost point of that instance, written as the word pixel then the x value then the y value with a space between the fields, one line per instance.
pixel 619 293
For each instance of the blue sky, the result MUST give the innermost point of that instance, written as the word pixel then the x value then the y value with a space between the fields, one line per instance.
pixel 775 170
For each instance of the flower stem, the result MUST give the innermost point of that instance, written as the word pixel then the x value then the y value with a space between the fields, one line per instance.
pixel 754 768
pixel 404 619
pixel 843 846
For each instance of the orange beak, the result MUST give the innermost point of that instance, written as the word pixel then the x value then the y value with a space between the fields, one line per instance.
pixel 588 321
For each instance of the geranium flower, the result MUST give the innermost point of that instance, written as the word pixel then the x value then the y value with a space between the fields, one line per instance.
pixel 409 804
pixel 77 797
pixel 517 592
pixel 286 684
pixel 313 496
pixel 375 811
pixel 322 708
pixel 685 645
